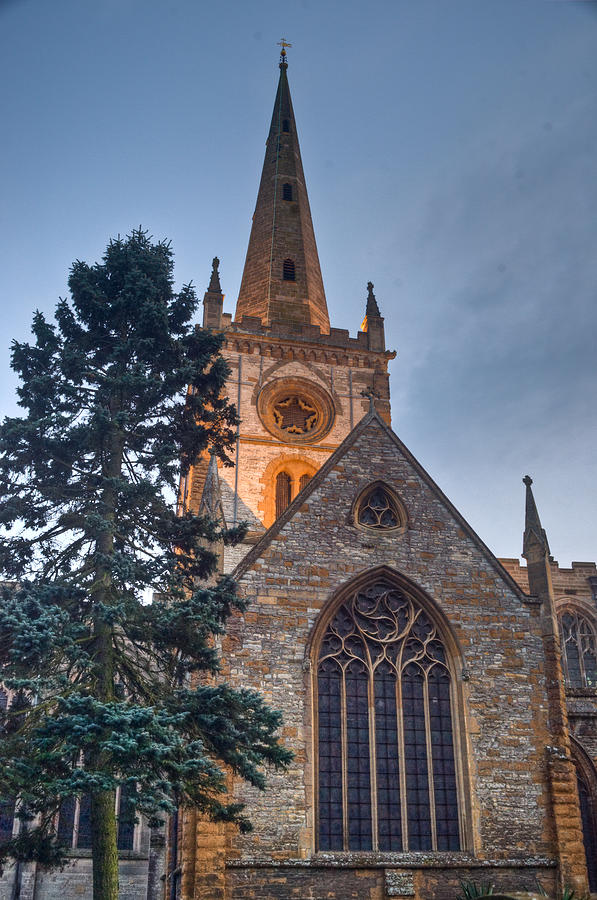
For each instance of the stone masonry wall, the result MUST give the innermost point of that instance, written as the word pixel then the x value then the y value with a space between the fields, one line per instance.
pixel 502 731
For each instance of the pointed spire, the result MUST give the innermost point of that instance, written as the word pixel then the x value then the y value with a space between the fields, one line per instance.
pixel 372 307
pixel 211 499
pixel 282 276
pixel 534 534
pixel 214 281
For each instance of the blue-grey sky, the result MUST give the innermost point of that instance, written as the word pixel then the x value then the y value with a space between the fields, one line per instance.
pixel 450 153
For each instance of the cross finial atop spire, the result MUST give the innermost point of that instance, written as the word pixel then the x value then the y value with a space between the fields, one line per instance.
pixel 283 44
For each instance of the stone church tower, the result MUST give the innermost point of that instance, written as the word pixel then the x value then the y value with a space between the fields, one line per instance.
pixel 299 386
pixel 435 732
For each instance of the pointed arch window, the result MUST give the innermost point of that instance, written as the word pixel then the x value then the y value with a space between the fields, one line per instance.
pixel 379 509
pixel 579 649
pixel 387 776
pixel 286 192
pixel 288 270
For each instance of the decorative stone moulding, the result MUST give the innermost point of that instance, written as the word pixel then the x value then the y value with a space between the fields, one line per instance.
pixel 296 410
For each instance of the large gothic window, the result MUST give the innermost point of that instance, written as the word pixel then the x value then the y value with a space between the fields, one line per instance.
pixel 579 649
pixel 386 758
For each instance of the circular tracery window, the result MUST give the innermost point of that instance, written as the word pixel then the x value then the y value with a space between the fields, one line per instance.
pixel 295 410
pixel 295 415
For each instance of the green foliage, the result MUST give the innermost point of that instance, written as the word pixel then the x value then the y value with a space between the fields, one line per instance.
pixel 569 894
pixel 471 890
pixel 111 689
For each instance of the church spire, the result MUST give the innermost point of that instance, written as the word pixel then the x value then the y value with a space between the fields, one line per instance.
pixel 282 277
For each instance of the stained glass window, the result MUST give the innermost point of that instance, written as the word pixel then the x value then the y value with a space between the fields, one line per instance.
pixel 386 758
pixel 579 649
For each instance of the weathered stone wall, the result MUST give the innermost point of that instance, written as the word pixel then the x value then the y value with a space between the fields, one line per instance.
pixel 574 588
pixel 75 882
pixel 502 730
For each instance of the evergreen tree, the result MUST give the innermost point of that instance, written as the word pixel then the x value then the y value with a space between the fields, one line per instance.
pixel 112 690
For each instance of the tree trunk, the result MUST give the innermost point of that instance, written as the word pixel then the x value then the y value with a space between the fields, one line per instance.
pixel 104 846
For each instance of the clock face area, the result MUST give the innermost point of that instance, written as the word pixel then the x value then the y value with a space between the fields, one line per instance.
pixel 296 410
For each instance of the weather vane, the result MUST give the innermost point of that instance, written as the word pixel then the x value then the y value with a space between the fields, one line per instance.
pixel 283 44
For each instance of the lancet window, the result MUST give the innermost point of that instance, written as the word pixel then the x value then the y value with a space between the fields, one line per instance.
pixel 283 489
pixel 386 748
pixel 579 649
pixel 286 192
pixel 288 270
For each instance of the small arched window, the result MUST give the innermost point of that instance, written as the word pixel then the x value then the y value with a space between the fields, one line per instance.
pixel 378 508
pixel 304 481
pixel 386 749
pixel 579 649
pixel 286 192
pixel 286 125
pixel 283 486
pixel 288 271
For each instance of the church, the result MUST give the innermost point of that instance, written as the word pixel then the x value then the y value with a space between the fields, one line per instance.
pixel 440 703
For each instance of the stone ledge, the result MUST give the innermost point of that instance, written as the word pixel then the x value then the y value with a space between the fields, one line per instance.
pixel 393 861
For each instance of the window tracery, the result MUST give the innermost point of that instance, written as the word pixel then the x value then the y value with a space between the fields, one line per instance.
pixel 295 414
pixel 379 509
pixel 386 758
pixel 579 649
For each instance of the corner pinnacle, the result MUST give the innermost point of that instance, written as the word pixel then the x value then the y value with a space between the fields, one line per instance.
pixel 214 281
pixel 372 307
pixel 533 532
